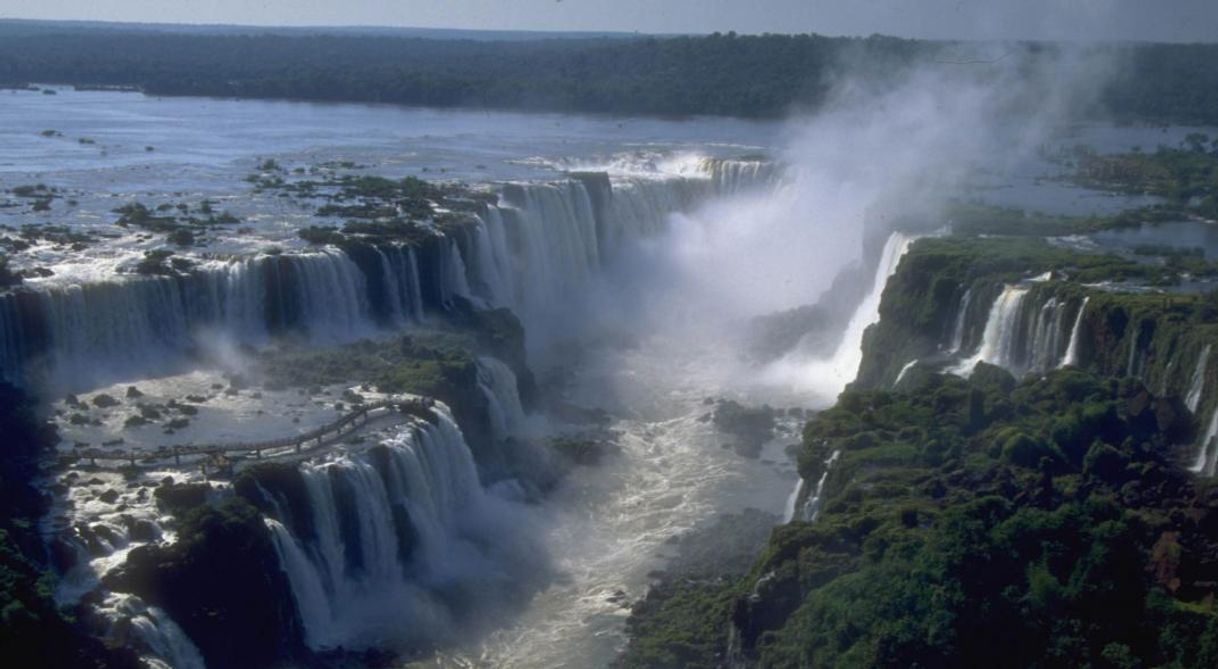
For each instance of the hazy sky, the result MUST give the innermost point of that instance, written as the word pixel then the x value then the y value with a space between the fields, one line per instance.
pixel 1168 20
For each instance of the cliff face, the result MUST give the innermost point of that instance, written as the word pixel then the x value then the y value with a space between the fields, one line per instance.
pixel 1030 308
pixel 222 584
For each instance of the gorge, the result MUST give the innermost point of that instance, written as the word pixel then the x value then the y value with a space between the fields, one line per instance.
pixel 587 448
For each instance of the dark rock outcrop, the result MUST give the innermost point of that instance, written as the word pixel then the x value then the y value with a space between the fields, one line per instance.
pixel 221 582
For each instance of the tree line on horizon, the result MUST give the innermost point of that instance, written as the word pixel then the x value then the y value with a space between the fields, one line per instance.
pixel 761 76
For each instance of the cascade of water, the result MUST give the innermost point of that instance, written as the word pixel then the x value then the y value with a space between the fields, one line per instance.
pixel 734 176
pixel 498 385
pixel 849 353
pixel 1045 343
pixel 385 523
pixel 551 230
pixel 811 508
pixel 535 246
pixel 1132 368
pixel 1207 450
pixel 827 376
pixel 148 629
pixel 961 322
pixel 1071 356
pixel 1197 385
pixel 1001 330
pixel 332 296
pixel 905 370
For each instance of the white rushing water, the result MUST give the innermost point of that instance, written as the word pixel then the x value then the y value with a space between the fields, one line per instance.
pixel 1071 356
pixel 961 323
pixel 826 377
pixel 1196 385
pixel 398 538
pixel 609 526
pixel 1001 329
pixel 1207 449
pixel 134 624
pixel 498 385
pixel 533 251
pixel 1043 349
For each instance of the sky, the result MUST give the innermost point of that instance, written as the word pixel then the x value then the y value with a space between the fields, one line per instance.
pixel 1154 20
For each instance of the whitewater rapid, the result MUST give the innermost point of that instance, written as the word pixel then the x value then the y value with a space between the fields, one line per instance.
pixel 612 524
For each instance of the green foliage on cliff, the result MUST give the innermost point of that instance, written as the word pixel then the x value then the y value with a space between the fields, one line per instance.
pixel 977 523
pixel 922 299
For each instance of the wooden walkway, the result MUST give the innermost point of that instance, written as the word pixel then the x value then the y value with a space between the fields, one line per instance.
pixel 190 454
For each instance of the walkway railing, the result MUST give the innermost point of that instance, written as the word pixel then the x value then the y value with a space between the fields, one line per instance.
pixel 320 438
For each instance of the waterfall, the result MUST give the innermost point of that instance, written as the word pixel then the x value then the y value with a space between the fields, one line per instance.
pixel 734 176
pixel 1207 450
pixel 498 385
pixel 534 248
pixel 391 535
pixel 1045 343
pixel 149 630
pixel 1071 356
pixel 80 330
pixel 844 364
pixel 1022 336
pixel 961 322
pixel 1132 368
pixel 551 231
pixel 811 508
pixel 904 370
pixel 1197 385
pixel 827 376
pixel 1000 334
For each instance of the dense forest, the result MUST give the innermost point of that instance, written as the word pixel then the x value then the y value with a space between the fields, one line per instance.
pixel 747 76
pixel 978 522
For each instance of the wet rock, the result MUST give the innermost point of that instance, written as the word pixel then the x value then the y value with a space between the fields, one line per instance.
pixel 104 401
pixel 109 496
pixel 241 615
pixel 133 392
pixel 750 423
pixel 139 529
pixel 747 449
pixel 135 421
pixel 177 498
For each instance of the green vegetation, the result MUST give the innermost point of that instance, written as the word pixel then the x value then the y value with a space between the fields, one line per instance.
pixel 973 523
pixel 379 210
pixel 162 262
pixel 1187 175
pixel 720 74
pixel 972 218
pixel 437 365
pixel 180 227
